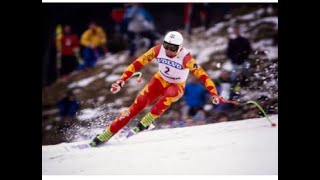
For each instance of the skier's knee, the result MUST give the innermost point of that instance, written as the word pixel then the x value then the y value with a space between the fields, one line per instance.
pixel 156 111
pixel 171 92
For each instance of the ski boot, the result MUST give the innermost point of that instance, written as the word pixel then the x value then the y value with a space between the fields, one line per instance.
pixel 96 142
pixel 138 128
pixel 101 138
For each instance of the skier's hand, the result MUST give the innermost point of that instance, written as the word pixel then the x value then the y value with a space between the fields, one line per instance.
pixel 116 87
pixel 217 100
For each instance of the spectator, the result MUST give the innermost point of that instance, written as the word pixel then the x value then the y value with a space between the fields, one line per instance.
pixel 195 96
pixel 117 15
pixel 68 107
pixel 94 41
pixel 68 51
pixel 189 13
pixel 238 51
pixel 140 27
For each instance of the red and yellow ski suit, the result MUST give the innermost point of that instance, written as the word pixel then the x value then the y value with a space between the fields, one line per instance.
pixel 158 87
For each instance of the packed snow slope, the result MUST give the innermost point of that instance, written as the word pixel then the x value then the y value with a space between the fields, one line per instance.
pixel 246 147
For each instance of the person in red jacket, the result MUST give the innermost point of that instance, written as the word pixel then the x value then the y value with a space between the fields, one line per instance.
pixel 167 84
pixel 68 51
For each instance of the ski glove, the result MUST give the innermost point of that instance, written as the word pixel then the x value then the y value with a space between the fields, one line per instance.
pixel 116 87
pixel 217 100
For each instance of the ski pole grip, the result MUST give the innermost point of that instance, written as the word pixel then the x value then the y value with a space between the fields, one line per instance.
pixel 139 76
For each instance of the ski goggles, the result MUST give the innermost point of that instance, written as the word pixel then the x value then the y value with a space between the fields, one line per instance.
pixel 171 47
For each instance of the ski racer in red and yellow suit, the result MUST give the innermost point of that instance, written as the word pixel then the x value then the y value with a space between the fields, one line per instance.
pixel 168 84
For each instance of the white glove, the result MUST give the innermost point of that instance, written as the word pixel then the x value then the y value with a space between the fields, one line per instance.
pixel 116 87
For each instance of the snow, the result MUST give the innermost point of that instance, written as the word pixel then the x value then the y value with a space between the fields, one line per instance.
pixel 120 69
pixel 86 81
pixel 214 74
pixel 87 114
pixel 203 45
pixel 248 95
pixel 107 66
pixel 48 127
pixel 273 20
pixel 101 98
pixel 227 66
pixel 260 11
pixel 266 46
pixel 246 147
pixel 247 17
pixel 114 59
pixel 101 75
pixel 112 78
pixel 272 52
pixel 119 101
pixel 205 50
pixel 262 43
pixel 215 28
pixel 270 10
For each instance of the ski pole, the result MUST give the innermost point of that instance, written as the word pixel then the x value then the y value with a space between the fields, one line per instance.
pixel 231 102
pixel 256 104
pixel 117 89
pixel 261 109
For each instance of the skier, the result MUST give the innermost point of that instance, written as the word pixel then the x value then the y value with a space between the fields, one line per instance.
pixel 168 83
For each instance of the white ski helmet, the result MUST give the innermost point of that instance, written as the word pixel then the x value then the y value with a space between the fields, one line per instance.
pixel 175 38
